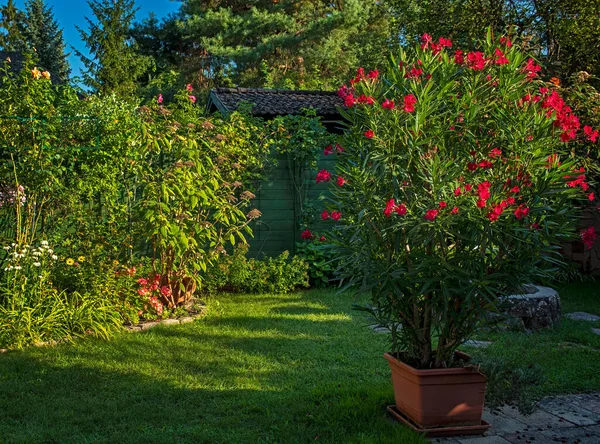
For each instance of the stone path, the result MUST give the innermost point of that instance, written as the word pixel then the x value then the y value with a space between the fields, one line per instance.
pixel 569 419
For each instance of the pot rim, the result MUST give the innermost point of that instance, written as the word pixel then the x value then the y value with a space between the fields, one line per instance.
pixel 434 371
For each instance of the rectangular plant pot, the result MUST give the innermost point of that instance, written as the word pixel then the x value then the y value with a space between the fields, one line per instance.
pixel 438 397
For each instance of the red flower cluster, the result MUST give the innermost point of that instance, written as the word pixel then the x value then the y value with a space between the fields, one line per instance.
pixel 391 207
pixel 329 149
pixel 531 69
pixel 323 176
pixel 476 60
pixel 409 103
pixel 336 215
pixel 148 286
pixel 369 134
pixel 340 181
pixel 505 41
pixel 428 43
pixel 459 59
pixel 588 236
pixel 579 182
pixel 306 234
pixel 521 212
pixel 388 104
pixel 500 58
pixel 366 100
pixel 413 73
pixel 431 214
pixel 494 153
pixel 591 133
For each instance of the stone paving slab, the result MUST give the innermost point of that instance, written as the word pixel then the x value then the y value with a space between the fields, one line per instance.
pixel 582 316
pixel 569 419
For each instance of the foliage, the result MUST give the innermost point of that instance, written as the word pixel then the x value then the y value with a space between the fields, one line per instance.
pixel 44 36
pixel 12 39
pixel 460 184
pixel 114 66
pixel 510 383
pixel 320 266
pixel 236 273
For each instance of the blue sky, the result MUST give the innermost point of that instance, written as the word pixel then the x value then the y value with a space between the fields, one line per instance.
pixel 71 13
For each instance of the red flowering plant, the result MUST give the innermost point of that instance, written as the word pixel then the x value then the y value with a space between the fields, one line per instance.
pixel 459 186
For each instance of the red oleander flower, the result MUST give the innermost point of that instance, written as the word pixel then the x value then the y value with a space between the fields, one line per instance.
pixel 325 215
pixel 472 166
pixel 494 153
pixel 336 215
pixel 588 236
pixel 476 60
pixel 389 207
pixel 443 204
pixel 454 210
pixel 485 164
pixel 515 190
pixel 521 212
pixel 339 148
pixel 591 197
pixel 505 41
pixel 481 203
pixel 445 43
pixel 369 134
pixel 431 214
pixel 349 100
pixel 457 191
pixel 366 100
pixel 459 59
pixel 468 187
pixel 323 176
pixel 400 209
pixel 531 69
pixel 373 74
pixel 501 58
pixel 343 91
pixel 409 103
pixel 328 150
pixel 322 239
pixel 591 133
pixel 413 73
pixel 340 181
pixel 388 104
pixel 306 234
pixel 510 201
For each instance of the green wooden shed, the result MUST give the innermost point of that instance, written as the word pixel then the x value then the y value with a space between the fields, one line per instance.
pixel 277 230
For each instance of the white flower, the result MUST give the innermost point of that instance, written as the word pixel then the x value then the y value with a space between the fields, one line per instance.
pixel 37 264
pixel 17 267
pixel 36 253
pixel 44 243
pixel 54 257
pixel 7 248
pixel 50 251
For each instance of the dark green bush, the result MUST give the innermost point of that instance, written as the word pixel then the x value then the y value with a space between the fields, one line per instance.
pixel 320 266
pixel 237 273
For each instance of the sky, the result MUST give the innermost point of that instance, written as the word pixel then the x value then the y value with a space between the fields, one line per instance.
pixel 71 13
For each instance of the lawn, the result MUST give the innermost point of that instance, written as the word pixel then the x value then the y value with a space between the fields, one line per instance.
pixel 569 355
pixel 269 368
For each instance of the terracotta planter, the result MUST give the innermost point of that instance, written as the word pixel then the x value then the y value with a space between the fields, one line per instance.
pixel 439 398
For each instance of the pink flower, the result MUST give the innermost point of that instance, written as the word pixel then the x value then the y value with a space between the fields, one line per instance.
pixel 369 134
pixel 193 99
pixel 160 99
pixel 165 291
pixel 388 104
pixel 409 103
pixel 339 148
pixel 336 215
pixel 431 214
pixel 325 215
pixel 306 234
pixel 142 291
pixel 340 181
pixel 588 236
pixel 323 176
pixel 189 87
pixel 142 281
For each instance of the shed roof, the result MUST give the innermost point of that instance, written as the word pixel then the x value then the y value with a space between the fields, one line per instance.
pixel 275 102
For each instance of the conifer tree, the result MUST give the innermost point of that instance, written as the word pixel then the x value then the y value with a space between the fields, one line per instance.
pixel 11 25
pixel 45 37
pixel 114 64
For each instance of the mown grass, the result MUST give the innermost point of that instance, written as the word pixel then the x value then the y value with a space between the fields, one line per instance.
pixel 270 368
pixel 568 355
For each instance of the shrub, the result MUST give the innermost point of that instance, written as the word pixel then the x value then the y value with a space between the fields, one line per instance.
pixel 320 265
pixel 237 273
pixel 459 185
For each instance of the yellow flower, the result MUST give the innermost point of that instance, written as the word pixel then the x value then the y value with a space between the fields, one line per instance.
pixel 36 73
pixel 69 261
pixel 46 75
pixel 81 259
pixel 115 262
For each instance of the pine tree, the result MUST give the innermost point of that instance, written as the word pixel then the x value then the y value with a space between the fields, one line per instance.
pixel 44 36
pixel 11 23
pixel 114 65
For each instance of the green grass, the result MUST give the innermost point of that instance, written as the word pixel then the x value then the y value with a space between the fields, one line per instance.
pixel 569 354
pixel 269 368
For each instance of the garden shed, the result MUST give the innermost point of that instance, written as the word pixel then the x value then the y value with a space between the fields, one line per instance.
pixel 278 229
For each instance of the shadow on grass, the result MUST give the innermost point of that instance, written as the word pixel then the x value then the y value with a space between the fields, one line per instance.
pixel 270 376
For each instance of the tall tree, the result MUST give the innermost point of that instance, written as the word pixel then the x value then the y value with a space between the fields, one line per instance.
pixel 114 65
pixel 43 35
pixel 11 24
pixel 307 44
